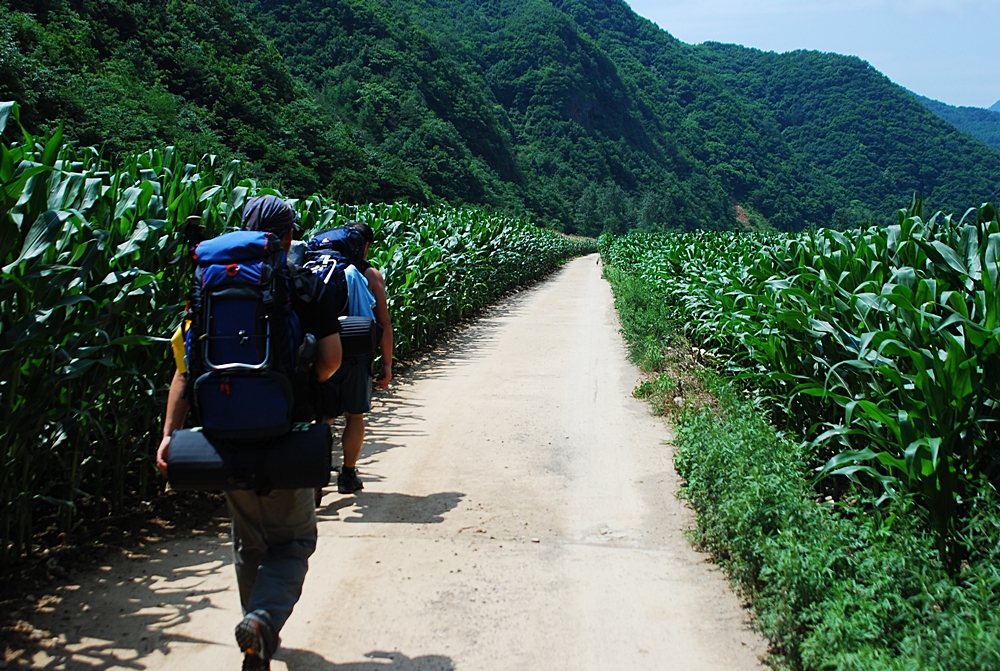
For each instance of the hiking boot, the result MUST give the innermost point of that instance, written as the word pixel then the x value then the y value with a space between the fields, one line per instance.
pixel 255 663
pixel 252 639
pixel 348 482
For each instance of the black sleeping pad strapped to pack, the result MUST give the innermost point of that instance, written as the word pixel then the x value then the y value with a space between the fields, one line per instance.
pixel 301 459
pixel 359 336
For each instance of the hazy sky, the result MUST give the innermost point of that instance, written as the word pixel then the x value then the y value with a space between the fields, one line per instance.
pixel 948 50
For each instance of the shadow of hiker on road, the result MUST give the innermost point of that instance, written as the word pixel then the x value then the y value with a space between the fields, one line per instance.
pixel 388 508
pixel 133 610
pixel 122 613
pixel 303 660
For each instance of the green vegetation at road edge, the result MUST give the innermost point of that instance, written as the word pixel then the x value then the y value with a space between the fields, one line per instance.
pixel 840 585
pixel 839 577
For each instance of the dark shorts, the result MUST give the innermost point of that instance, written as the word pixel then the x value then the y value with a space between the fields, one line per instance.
pixel 349 390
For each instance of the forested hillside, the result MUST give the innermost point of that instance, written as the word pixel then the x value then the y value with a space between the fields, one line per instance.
pixel 403 93
pixel 198 75
pixel 577 113
pixel 866 135
pixel 610 124
pixel 982 124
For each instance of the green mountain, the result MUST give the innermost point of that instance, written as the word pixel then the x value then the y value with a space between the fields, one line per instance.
pixel 984 125
pixel 858 128
pixel 577 113
pixel 198 75
pixel 541 104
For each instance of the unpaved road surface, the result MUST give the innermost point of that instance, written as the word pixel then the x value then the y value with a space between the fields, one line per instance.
pixel 519 512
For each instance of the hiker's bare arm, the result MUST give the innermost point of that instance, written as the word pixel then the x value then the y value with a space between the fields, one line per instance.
pixel 377 285
pixel 177 410
pixel 328 360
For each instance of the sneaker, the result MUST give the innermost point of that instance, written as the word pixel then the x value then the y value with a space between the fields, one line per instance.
pixel 250 638
pixel 348 482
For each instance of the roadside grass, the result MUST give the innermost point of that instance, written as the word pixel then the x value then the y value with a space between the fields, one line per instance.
pixel 839 584
pixel 660 350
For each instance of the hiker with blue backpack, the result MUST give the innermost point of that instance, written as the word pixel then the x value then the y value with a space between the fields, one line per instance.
pixel 258 339
pixel 339 256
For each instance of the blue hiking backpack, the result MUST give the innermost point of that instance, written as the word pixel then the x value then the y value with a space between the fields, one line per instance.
pixel 245 378
pixel 328 255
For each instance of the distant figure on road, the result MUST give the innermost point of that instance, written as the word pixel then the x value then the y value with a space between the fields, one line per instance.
pixel 349 391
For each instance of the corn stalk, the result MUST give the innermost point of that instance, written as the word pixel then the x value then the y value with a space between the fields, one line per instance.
pixel 93 277
pixel 880 346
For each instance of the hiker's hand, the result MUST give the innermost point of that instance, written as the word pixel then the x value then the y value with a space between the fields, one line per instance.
pixel 386 376
pixel 161 455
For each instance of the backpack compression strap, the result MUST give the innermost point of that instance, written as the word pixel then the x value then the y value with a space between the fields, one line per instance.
pixel 306 287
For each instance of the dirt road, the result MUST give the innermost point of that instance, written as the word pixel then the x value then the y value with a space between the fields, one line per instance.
pixel 519 512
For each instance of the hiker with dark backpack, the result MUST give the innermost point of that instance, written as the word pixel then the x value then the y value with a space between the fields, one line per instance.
pixel 343 252
pixel 245 344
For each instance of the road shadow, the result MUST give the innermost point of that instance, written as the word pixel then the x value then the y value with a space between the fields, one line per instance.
pixel 393 422
pixel 389 508
pixel 118 615
pixel 125 613
pixel 303 660
pixel 470 339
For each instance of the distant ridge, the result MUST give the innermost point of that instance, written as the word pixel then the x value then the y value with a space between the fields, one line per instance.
pixel 984 125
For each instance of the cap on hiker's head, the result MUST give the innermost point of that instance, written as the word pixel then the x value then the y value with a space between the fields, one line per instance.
pixel 269 213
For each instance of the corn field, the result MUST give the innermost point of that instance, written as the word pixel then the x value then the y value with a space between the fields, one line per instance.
pixel 94 277
pixel 880 347
pixel 443 264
